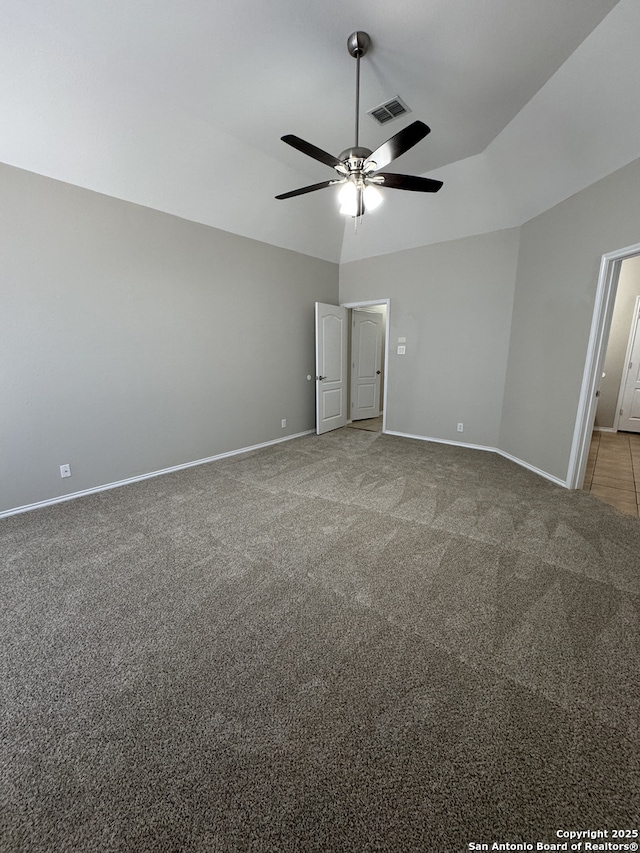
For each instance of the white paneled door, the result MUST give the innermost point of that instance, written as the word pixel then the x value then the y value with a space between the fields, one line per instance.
pixel 331 367
pixel 630 415
pixel 366 363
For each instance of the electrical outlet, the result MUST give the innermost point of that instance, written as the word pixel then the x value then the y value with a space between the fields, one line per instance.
pixel 283 423
pixel 460 427
pixel 65 470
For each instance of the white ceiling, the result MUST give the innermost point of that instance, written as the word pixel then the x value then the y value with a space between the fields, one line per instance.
pixel 181 106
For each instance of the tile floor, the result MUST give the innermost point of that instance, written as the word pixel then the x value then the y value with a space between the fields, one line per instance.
pixel 370 424
pixel 613 470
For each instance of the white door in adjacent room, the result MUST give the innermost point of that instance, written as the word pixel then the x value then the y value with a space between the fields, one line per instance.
pixel 366 363
pixel 331 367
pixel 629 419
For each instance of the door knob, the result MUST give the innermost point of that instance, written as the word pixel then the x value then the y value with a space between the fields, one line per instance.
pixel 321 378
pixel 378 372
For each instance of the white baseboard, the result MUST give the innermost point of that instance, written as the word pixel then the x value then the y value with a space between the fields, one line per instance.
pixel 497 450
pixel 538 471
pixel 440 440
pixel 103 488
pixel 94 490
pixel 604 429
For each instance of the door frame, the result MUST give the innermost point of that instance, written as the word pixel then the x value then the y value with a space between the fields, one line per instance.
pixel 627 358
pixel 367 304
pixel 609 274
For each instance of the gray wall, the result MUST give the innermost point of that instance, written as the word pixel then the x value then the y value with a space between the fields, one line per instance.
pixel 628 289
pixel 132 341
pixel 498 325
pixel 558 266
pixel 452 301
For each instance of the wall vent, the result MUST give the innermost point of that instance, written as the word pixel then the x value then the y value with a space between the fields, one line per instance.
pixel 389 110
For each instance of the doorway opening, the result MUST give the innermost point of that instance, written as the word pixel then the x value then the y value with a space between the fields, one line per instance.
pixel 343 392
pixel 608 280
pixel 368 351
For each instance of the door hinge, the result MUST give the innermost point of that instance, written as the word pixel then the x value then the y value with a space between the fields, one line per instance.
pixel 630 364
pixel 621 411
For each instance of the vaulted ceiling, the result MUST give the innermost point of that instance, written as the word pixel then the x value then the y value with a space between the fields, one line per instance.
pixel 181 106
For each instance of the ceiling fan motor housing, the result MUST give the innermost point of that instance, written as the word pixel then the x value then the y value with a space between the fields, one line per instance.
pixel 355 154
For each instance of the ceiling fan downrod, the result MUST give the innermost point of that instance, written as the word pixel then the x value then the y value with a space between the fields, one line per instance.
pixel 358 44
pixel 351 198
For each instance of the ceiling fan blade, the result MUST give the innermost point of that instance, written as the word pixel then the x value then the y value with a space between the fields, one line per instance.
pixel 311 150
pixel 409 182
pixel 308 189
pixel 398 144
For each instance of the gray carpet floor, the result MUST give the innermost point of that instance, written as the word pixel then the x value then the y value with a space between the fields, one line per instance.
pixel 351 642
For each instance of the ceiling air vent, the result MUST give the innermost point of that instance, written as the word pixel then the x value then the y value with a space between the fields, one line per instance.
pixel 389 110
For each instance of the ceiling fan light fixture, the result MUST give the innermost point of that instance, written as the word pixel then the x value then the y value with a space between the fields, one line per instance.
pixel 372 197
pixel 348 198
pixel 355 199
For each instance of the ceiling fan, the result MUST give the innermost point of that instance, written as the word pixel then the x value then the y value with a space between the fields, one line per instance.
pixel 358 168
